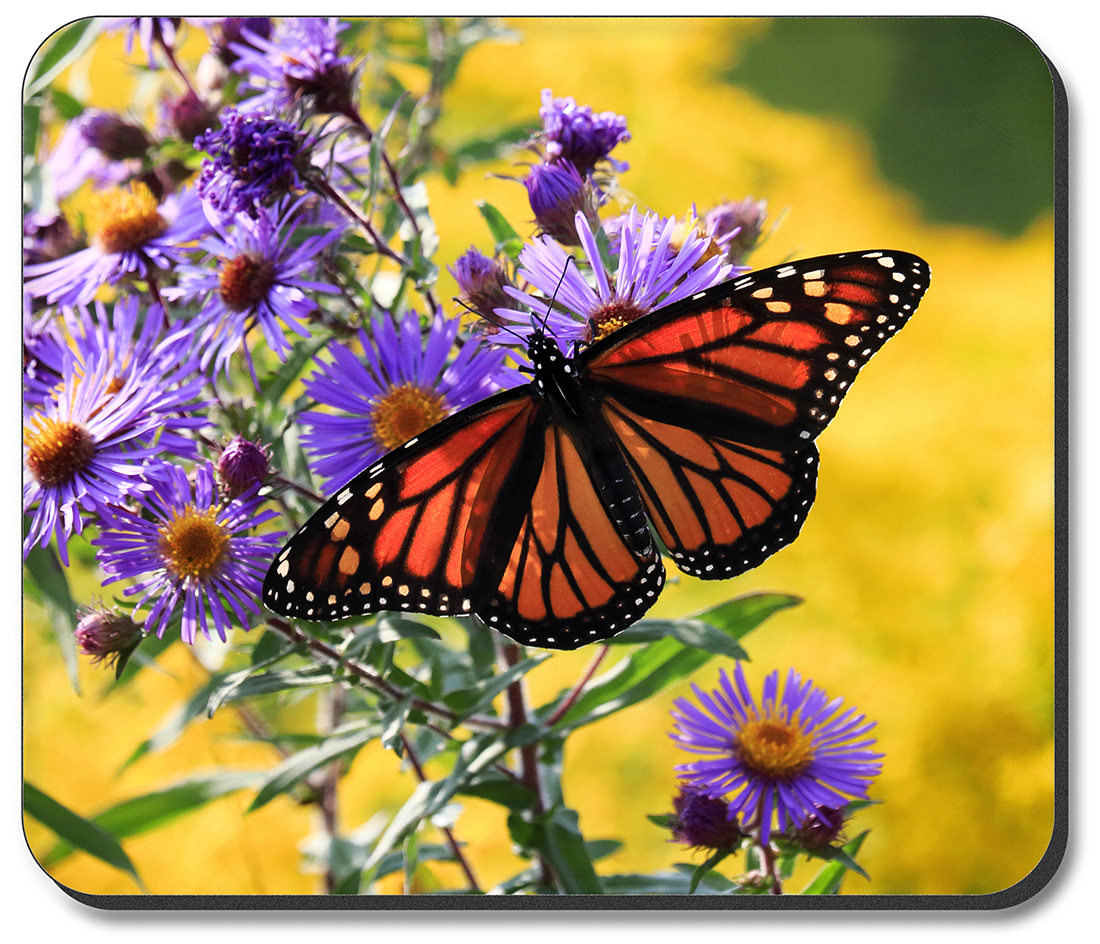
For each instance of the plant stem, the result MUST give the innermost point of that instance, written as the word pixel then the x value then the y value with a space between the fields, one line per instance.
pixel 574 693
pixel 333 707
pixel 371 678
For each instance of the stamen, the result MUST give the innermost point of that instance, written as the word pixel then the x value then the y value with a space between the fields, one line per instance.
pixel 193 543
pixel 245 281
pixel 57 450
pixel 776 748
pixel 404 412
pixel 125 220
pixel 611 317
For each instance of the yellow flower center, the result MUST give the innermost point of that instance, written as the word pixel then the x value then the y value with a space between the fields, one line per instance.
pixel 775 748
pixel 193 543
pixel 56 449
pixel 124 220
pixel 613 316
pixel 244 281
pixel 404 412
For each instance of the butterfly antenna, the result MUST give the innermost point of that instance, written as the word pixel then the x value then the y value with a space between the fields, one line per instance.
pixel 550 306
pixel 503 327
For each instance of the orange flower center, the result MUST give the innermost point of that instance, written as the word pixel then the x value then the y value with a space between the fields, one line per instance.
pixel 245 281
pixel 124 220
pixel 775 748
pixel 193 543
pixel 404 412
pixel 57 450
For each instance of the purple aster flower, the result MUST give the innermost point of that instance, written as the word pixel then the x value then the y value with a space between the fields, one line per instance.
pixel 135 342
pixel 84 448
pixel 481 282
pixel 229 31
pixel 259 280
pixel 741 224
pixel 651 272
pixel 402 385
pixel 149 30
pixel 44 350
pixel 254 161
pixel 106 635
pixel 575 133
pixel 781 761
pixel 131 236
pixel 557 193
pixel 192 550
pixel 701 821
pixel 76 157
pixel 301 61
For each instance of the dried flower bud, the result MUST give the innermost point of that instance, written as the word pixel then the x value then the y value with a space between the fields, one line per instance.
pixel 481 282
pixel 744 220
pixel 114 136
pixel 190 116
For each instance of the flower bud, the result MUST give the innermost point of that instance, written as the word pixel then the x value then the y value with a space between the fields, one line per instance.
pixel 820 828
pixel 744 220
pixel 557 192
pixel 702 821
pixel 190 116
pixel 242 465
pixel 481 282
pixel 106 635
pixel 111 134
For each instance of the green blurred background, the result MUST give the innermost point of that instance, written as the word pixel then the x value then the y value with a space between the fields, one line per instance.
pixel 927 562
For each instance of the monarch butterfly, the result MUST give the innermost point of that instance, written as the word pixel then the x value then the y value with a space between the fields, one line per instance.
pixel 537 508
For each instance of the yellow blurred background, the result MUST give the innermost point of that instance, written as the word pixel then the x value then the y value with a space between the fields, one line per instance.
pixel 926 565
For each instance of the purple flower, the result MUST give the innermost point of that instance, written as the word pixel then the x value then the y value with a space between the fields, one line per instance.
pixel 106 635
pixel 301 61
pixel 481 282
pixel 149 30
pixel 131 235
pixel 255 160
pixel 189 552
pixel 740 224
pixel 84 448
pixel 575 133
pixel 402 385
pixel 44 351
pixel 136 343
pixel 242 465
pixel 258 280
pixel 557 193
pixel 700 821
pixel 781 761
pixel 228 32
pixel 651 272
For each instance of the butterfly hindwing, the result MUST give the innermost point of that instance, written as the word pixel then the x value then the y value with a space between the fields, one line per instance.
pixel 583 565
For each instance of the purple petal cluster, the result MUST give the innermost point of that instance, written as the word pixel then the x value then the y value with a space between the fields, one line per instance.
pixel 393 359
pixel 577 134
pixel 255 159
pixel 190 553
pixel 835 763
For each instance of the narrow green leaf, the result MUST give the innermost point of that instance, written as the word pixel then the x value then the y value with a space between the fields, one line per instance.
pixel 708 881
pixel 564 848
pixel 393 722
pixel 177 720
pixel 500 229
pixel 484 693
pixel 77 831
pixel 693 633
pixel 829 879
pixel 277 384
pixel 70 45
pixel 53 588
pixel 292 771
pixel 152 810
pixel 496 788
pixel 248 684
pixel 701 871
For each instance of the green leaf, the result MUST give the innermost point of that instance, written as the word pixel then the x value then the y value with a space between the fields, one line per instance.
pixel 143 656
pixel 499 789
pixel 277 384
pixel 505 238
pixel 292 771
pixel 52 585
pixel 77 831
pixel 152 810
pixel 178 719
pixel 828 880
pixel 708 881
pixel 701 871
pixel 70 45
pixel 564 848
pixel 248 684
pixel 695 634
pixel 480 696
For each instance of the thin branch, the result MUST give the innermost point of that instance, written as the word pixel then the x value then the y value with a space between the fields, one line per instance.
pixel 574 693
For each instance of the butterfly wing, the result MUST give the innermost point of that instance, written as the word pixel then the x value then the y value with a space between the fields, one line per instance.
pixel 417 530
pixel 498 511
pixel 716 401
pixel 584 564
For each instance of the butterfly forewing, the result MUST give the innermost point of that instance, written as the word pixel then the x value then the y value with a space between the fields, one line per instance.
pixel 764 359
pixel 414 531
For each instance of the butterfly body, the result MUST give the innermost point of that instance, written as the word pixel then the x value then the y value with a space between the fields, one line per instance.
pixel 536 509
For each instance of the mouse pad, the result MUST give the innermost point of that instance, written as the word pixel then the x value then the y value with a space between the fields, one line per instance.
pixel 446 483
